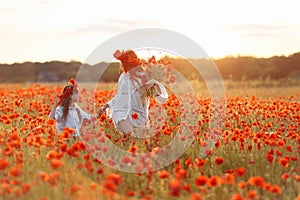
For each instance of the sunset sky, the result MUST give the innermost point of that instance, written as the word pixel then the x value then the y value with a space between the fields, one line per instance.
pixel 46 30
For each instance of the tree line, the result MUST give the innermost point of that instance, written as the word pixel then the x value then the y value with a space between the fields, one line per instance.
pixel 233 68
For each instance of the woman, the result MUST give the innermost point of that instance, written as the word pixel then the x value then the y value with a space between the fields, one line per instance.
pixel 129 108
pixel 66 112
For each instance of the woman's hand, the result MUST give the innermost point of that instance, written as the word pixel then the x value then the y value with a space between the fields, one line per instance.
pixel 157 88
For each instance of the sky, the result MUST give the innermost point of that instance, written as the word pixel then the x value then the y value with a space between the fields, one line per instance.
pixel 69 30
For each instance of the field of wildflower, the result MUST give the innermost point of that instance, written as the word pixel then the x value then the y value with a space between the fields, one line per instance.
pixel 256 156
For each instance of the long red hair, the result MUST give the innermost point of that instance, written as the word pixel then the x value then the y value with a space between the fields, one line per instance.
pixel 65 97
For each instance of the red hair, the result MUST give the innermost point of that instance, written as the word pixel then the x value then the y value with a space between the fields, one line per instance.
pixel 64 98
pixel 128 59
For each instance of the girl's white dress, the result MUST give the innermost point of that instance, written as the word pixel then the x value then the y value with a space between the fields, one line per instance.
pixel 73 119
pixel 128 101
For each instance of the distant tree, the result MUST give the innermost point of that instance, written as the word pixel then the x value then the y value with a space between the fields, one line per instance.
pixel 235 68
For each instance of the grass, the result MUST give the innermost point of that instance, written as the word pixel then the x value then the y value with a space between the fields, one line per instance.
pixel 262 122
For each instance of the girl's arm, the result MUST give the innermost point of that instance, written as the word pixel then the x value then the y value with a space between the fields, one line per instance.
pixel 52 112
pixel 160 92
pixel 112 102
pixel 102 109
pixel 157 88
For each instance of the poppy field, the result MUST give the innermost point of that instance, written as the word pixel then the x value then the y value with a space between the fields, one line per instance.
pixel 255 156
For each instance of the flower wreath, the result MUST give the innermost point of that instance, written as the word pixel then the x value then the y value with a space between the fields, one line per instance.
pixel 159 70
pixel 68 89
pixel 124 56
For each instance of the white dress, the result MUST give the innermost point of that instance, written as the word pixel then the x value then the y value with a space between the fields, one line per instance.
pixel 73 119
pixel 128 101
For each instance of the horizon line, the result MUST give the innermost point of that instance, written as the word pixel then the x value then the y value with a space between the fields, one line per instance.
pixel 210 57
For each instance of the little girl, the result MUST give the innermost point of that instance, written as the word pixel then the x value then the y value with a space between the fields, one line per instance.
pixel 66 112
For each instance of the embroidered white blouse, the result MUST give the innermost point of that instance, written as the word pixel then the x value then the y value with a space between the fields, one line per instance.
pixel 128 101
pixel 73 119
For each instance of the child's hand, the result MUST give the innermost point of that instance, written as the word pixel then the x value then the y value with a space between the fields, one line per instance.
pixel 100 112
pixel 102 109
pixel 157 88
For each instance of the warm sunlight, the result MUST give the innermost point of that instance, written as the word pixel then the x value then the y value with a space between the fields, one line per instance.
pixel 218 118
pixel 47 30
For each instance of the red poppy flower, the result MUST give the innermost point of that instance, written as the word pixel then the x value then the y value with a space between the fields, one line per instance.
pixel 237 197
pixel 53 178
pixel 228 179
pixel 44 176
pixel 196 196
pixel 284 161
pixel 127 160
pixel 88 165
pixel 275 189
pixel 163 174
pixel 26 188
pixel 133 149
pixel 130 193
pixel 55 163
pixel 135 116
pixel 75 188
pixel 252 194
pixel 15 171
pixel 270 158
pixel 200 162
pixel 93 186
pixel 242 184
pixel 180 173
pixel 201 180
pixel 115 178
pixel 174 187
pixel 51 122
pixel 214 181
pixel 3 164
pixel 257 181
pixel 117 54
pixel 285 176
pixel 109 185
pixel 297 178
pixel 240 171
pixel 219 161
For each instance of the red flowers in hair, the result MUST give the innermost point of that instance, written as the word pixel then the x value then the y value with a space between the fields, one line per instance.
pixel 128 58
pixel 68 89
pixel 118 54
pixel 74 83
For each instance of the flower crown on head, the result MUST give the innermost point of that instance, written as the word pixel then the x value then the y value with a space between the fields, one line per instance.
pixel 118 54
pixel 159 70
pixel 68 89
pixel 74 83
pixel 127 57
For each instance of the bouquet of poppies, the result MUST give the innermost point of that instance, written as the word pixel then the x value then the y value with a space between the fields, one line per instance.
pixel 159 70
